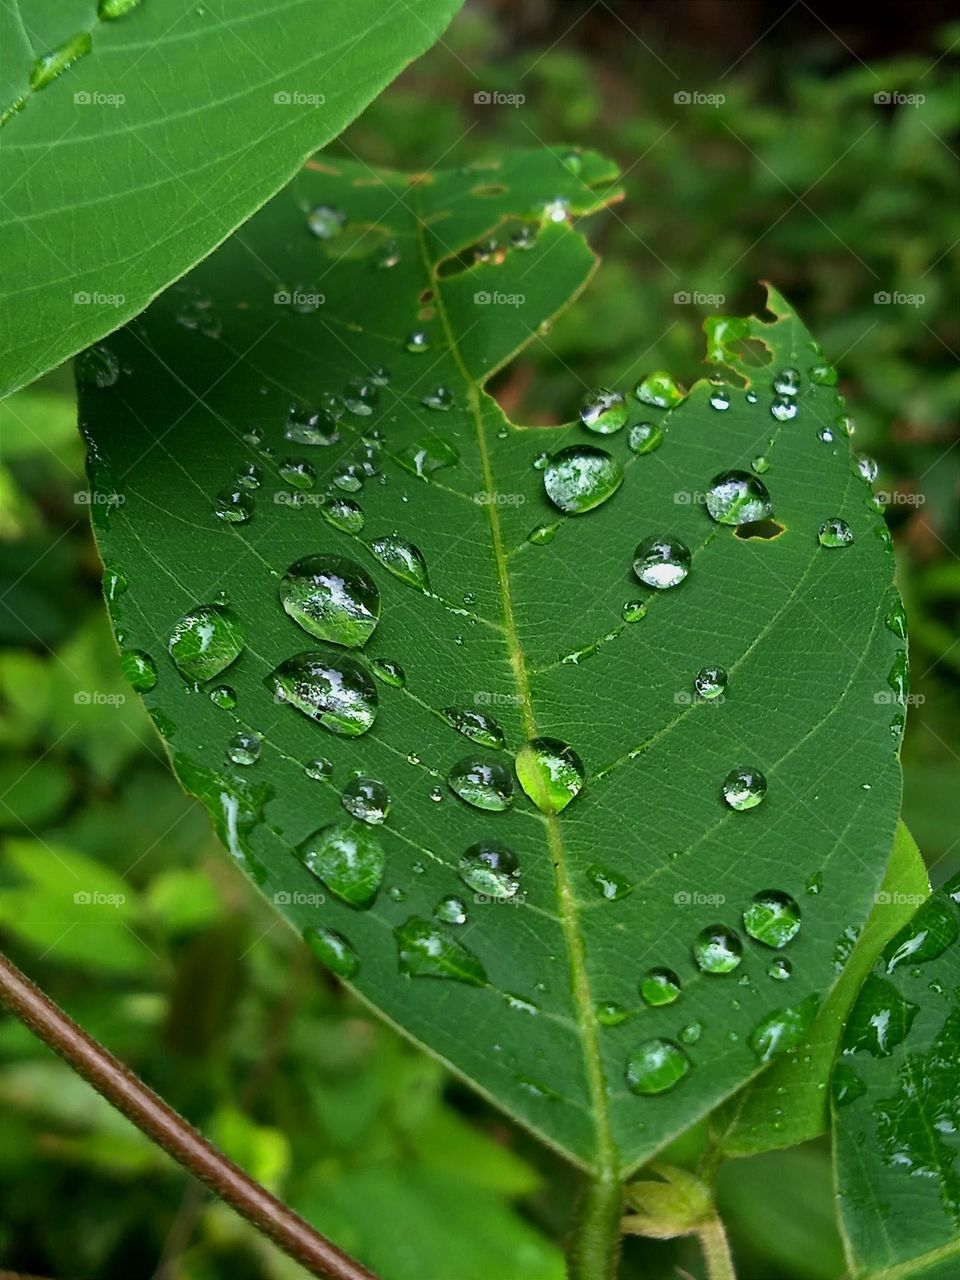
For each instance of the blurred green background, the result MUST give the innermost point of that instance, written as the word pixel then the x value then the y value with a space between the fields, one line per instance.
pixel 776 161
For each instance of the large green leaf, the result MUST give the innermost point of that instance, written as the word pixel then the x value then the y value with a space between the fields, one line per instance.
pixel 790 1104
pixel 168 125
pixel 648 854
pixel 896 1104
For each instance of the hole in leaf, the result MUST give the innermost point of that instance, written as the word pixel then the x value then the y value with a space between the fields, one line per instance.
pixel 488 189
pixel 763 529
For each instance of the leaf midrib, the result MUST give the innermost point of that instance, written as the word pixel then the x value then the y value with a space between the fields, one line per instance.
pixel 606 1155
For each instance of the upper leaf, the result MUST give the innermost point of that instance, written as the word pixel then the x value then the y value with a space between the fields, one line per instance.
pixel 137 136
pixel 628 838
pixel 896 1104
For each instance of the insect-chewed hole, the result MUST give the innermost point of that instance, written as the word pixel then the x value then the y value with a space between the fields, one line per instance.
pixel 762 529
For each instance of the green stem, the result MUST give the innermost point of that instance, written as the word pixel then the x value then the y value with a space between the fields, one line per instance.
pixel 595 1245
pixel 716 1250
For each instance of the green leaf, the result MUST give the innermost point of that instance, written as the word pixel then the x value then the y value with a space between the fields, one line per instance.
pixel 789 1104
pixel 171 124
pixel 896 1104
pixel 648 866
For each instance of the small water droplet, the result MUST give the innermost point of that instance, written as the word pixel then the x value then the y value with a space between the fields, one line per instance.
pixel 691 1033
pixel 660 986
pixel 609 884
pixel 634 610
pixel 47 67
pixel 298 472
pixel 490 869
pixel 773 918
pixel 206 641
pixel 786 382
pixel 611 1014
pixel 390 673
pixel 654 1067
pixel 543 534
pixel 306 425
pixel 744 787
pixel 439 398
pixel 342 513
pixel 234 506
pixel 332 950
pixel 320 769
pixel 426 455
pixel 661 390
pixel 717 949
pixel 451 911
pixel 335 691
pixel 710 682
pixel 760 464
pixel 139 668
pixel 896 619
pixel 661 562
pixel 417 341
pixel 550 772
pixel 783 1029
pixel 736 497
pixel 835 533
pixel 485 784
pixel 425 951
pixel 332 598
pixel 603 411
pixel 581 477
pixel 719 400
pixel 348 858
pixel 403 559
pixel 783 409
pixel 644 437
pixel 824 375
pixel 475 725
pixel 814 885
pixel 223 696
pixel 779 968
pixel 366 799
pixel 244 748
pixel 325 221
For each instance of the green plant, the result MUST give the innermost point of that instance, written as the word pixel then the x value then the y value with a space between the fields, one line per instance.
pixel 603 824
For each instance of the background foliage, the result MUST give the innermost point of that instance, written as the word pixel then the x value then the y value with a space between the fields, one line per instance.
pixel 799 177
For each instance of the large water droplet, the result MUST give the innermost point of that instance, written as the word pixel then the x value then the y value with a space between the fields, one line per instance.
pixel 348 858
pixel 866 467
pixel 660 986
pixel 332 950
pixel 782 1030
pixel 603 411
pixel 661 390
pixel 661 562
pixel 490 869
pixel 736 497
pixel 403 559
pixel 366 799
pixel 654 1067
pixel 476 725
pixel 717 949
pixel 205 641
pixel 580 478
pixel 425 951
pixel 47 67
pixel 744 787
pixel 772 918
pixel 335 691
pixel 550 772
pixel 835 533
pixel 332 598
pixel 486 784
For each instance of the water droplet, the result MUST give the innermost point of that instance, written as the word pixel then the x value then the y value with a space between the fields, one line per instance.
pixel 814 885
pixel 661 390
pixel 825 435
pixel 609 884
pixel 654 1067
pixel 427 952
pixel 307 425
pixel 661 562
pixel 580 478
pixel 550 772
pixel 348 858
pixel 736 497
pixel 880 1019
pixel 710 682
pixel 866 467
pixel 660 986
pixel 298 472
pixel 523 238
pixel 223 696
pixel 417 341
pixel 426 455
pixel 542 534
pixel 326 222
pixel 760 464
pixel 235 506
pixel 932 929
pixel 475 725
pixel 244 748
pixel 342 513
pixel 139 668
pixel 556 210
pixel 824 375
pixel 335 691
pixel 332 598
pixel 751 397
pixel 320 769
pixel 644 437
pixel 846 1085
pixel 490 869
pixel 109 9
pixel 744 787
pixel 332 950
pixel 772 918
pixel 249 476
pixel 779 968
pixel 783 1029
pixel 719 400
pixel 451 911
pixel 403 559
pixel 691 1033
pixel 485 784
pixel 897 619
pixel 847 425
pixel 390 673
pixel 46 68
pixel 361 397
pixel 98 367
pixel 603 411
pixel 520 1004
pixel 439 398
pixel 835 533
pixel 366 799
pixel 634 610
pixel 783 409
pixel 717 949
pixel 611 1014
pixel 206 641
pixel 787 382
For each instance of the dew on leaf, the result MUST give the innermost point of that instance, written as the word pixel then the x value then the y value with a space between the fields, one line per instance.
pixel 490 869
pixel 744 787
pixel 634 610
pixel 298 472
pixel 475 725
pixel 426 455
pixel 425 951
pixel 550 772
pixel 660 390
pixel 783 1029
pixel 366 799
pixel 611 1014
pixel 932 929
pixel 332 598
pixel 581 477
pixel 46 68
pixel 898 676
pixel 249 476
pixel 717 949
pixel 485 784
pixel 779 968
pixel 736 497
pixel 691 1033
pixel 824 375
pixel 403 559
pixel 719 400
pixel 880 1019
pixel 348 858
pixel 866 467
pixel 244 748
pixel 896 619
pixel 783 409
pixel 451 910
pixel 306 425
pixel 342 513
pixel 332 950
pixel 645 437
pixel 835 533
pixel 608 883
pixel 710 682
pixel 333 690
pixel 786 382
pixel 660 986
pixel 361 397
pixel 222 695
pixel 655 1066
pixel 772 918
pixel 417 341
pixel 234 506
pixel 206 641
pixel 325 221
pixel 320 769
pixel 603 411
pixel 542 534
pixel 440 397
pixel 661 562
pixel 110 9
pixel 139 668
pixel 390 673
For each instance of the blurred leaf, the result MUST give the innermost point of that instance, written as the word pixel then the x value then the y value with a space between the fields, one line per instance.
pixel 263 1152
pixel 183 900
pixel 32 791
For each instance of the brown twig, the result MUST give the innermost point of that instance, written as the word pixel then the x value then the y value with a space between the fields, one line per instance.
pixel 169 1130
